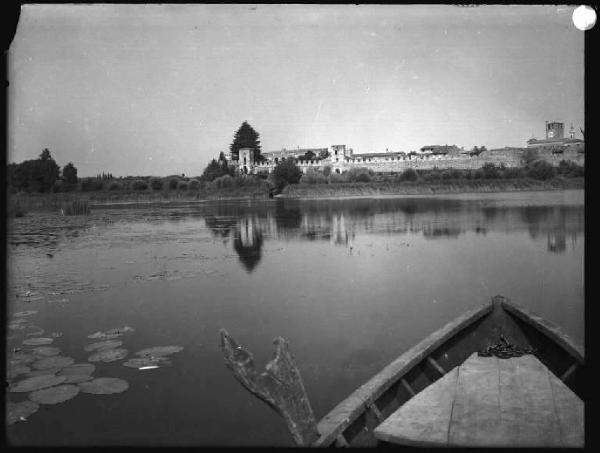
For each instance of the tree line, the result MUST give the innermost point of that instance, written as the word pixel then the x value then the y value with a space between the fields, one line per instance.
pixel 41 175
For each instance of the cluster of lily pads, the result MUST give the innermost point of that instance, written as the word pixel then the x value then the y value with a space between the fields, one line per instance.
pixel 48 377
pixel 109 350
pixel 51 378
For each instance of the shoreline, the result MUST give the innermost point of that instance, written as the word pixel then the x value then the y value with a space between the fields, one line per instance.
pixel 383 189
pixel 375 189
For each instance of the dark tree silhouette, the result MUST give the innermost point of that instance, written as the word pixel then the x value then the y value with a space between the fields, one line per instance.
pixel 286 172
pixel 245 137
pixel 70 175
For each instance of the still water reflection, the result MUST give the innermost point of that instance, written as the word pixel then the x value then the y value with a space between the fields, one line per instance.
pixel 349 283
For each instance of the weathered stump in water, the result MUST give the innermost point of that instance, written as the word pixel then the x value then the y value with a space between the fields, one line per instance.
pixel 280 385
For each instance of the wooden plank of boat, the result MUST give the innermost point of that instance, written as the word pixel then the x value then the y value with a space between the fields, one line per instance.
pixel 490 402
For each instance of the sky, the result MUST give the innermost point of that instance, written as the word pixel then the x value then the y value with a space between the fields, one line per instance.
pixel 161 89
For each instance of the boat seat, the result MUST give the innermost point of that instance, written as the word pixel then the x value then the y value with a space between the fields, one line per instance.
pixel 490 402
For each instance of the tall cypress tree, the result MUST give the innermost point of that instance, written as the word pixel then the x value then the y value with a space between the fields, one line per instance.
pixel 245 137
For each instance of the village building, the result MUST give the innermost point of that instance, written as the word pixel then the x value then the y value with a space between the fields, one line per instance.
pixel 341 158
pixel 555 138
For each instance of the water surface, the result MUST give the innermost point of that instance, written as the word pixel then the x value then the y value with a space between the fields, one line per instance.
pixel 351 284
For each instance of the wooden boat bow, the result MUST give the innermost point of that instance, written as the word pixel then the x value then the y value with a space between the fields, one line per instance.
pixel 281 387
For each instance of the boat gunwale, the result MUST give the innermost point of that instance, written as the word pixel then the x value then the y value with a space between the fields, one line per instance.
pixel 548 328
pixel 345 413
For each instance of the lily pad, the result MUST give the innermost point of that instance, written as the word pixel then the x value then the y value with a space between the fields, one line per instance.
pixel 77 369
pixel 104 386
pixel 108 355
pixel 36 383
pixel 112 333
pixel 46 351
pixel 159 351
pixel 53 362
pixel 35 330
pixel 53 370
pixel 25 313
pixel 141 362
pixel 21 358
pixel 14 371
pixel 18 321
pixel 55 395
pixel 37 341
pixel 78 378
pixel 16 326
pixel 17 412
pixel 103 345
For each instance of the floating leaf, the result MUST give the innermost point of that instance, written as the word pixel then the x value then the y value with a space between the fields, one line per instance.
pixel 16 412
pixel 37 382
pixel 112 333
pixel 18 321
pixel 53 370
pixel 14 371
pixel 16 326
pixel 53 362
pixel 54 395
pixel 21 358
pixel 142 362
pixel 109 355
pixel 46 351
pixel 102 345
pixel 104 386
pixel 78 378
pixel 159 351
pixel 25 313
pixel 37 341
pixel 77 369
pixel 36 331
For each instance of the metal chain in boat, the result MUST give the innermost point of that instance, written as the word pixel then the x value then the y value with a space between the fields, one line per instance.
pixel 504 349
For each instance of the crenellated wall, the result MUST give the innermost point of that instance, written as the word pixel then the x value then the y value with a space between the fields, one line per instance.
pixel 509 157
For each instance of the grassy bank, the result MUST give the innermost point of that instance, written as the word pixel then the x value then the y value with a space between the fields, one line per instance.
pixel 375 188
pixel 26 202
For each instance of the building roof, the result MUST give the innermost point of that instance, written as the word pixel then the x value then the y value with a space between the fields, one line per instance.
pixel 294 152
pixel 388 154
pixel 550 141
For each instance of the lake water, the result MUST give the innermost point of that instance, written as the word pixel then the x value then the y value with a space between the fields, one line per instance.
pixel 351 284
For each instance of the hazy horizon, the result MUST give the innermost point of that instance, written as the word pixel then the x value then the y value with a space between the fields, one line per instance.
pixel 161 89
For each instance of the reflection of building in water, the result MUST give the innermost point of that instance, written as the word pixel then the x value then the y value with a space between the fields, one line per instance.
pixel 339 230
pixel 247 242
pixel 557 240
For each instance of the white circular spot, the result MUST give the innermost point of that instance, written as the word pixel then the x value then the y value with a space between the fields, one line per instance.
pixel 584 17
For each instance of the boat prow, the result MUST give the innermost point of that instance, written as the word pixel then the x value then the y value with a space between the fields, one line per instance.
pixel 353 421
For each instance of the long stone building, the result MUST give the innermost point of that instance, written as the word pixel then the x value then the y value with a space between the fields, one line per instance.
pixel 341 158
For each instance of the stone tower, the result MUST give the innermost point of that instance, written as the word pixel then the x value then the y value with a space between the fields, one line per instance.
pixel 246 160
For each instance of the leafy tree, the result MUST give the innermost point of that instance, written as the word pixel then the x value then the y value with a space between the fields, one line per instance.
pixel 541 170
pixel 324 154
pixel 245 137
pixel 45 172
pixel 69 176
pixel 225 168
pixel 286 172
pixel 212 171
pixel 156 184
pixel 308 155
pixel 409 175
pixel 490 171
